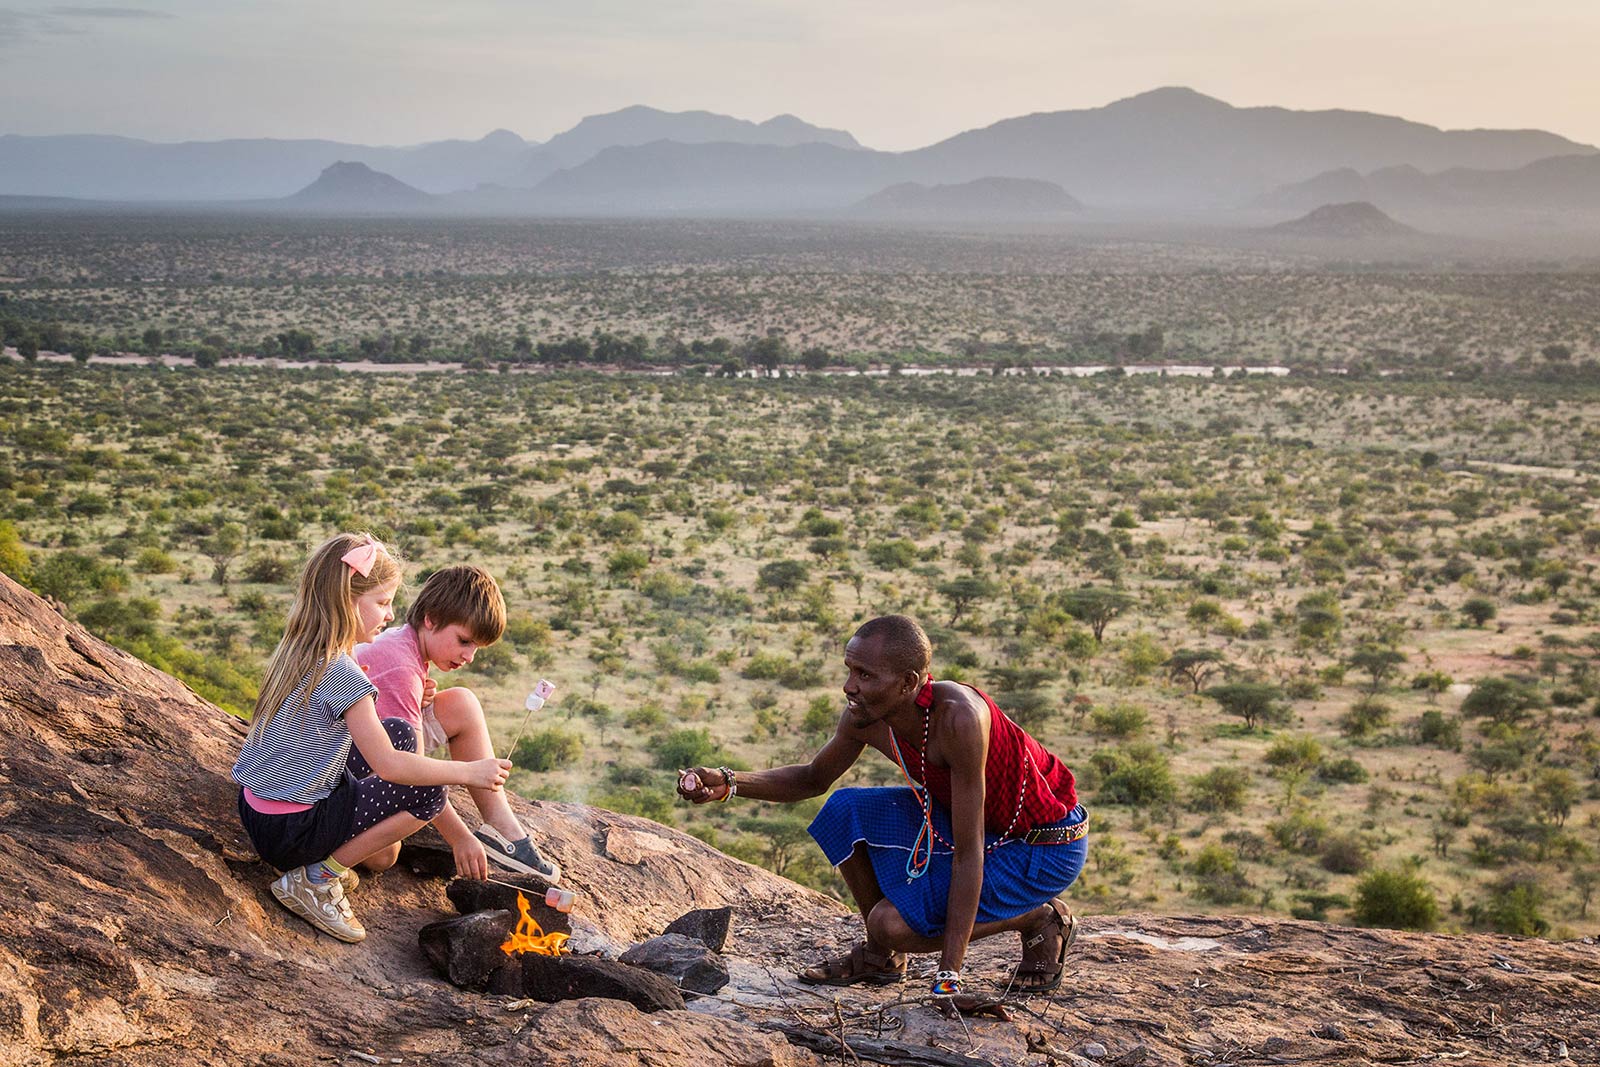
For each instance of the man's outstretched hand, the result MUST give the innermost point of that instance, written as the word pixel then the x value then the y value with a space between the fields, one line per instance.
pixel 701 785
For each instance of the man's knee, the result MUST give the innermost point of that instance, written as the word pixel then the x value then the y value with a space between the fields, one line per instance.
pixel 886 927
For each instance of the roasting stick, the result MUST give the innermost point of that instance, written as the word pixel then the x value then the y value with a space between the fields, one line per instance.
pixel 535 701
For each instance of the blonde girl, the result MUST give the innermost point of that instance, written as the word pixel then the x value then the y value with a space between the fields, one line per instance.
pixel 305 811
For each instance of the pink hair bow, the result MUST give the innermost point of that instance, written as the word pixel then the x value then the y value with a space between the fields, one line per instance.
pixel 363 556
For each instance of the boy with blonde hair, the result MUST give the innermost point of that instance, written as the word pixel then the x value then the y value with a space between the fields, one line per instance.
pixel 458 611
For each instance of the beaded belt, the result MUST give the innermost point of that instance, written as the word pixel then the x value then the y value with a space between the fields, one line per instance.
pixel 1057 835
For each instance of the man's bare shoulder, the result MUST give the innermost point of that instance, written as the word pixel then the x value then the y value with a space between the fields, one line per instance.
pixel 959 703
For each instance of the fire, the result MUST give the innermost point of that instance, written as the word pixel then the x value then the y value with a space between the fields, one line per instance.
pixel 528 937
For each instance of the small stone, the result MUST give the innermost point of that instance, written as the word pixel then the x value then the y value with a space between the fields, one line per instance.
pixel 709 926
pixel 1274 1045
pixel 1094 1050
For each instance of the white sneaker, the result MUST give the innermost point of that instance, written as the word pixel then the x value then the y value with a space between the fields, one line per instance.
pixel 323 906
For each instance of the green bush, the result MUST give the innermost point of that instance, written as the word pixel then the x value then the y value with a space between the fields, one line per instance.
pixel 1219 789
pixel 1299 831
pixel 1365 717
pixel 1120 721
pixel 1345 854
pixel 1137 774
pixel 1344 770
pixel 1400 900
pixel 1433 728
pixel 686 748
pixel 150 561
pixel 549 749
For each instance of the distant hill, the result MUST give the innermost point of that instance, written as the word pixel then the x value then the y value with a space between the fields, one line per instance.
pixel 93 167
pixel 1568 182
pixel 357 189
pixel 1346 222
pixel 121 168
pixel 994 199
pixel 719 178
pixel 1167 149
pixel 1170 149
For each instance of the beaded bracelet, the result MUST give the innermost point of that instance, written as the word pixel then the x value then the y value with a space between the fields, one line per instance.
pixel 731 781
pixel 947 984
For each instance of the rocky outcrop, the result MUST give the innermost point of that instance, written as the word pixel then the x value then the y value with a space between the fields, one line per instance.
pixel 137 930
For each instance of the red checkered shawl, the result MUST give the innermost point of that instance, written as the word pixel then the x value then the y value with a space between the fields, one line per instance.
pixel 1052 791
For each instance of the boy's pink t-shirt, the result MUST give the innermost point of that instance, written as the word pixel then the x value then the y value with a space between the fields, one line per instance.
pixel 395 664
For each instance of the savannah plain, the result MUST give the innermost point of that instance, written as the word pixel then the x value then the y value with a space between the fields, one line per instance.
pixel 1319 644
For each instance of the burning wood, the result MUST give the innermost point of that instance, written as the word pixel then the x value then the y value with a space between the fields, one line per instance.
pixel 529 937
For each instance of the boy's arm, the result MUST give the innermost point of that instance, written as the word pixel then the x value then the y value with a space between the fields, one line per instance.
pixel 471 859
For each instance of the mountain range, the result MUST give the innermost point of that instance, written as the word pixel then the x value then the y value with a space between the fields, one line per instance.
pixel 1168 150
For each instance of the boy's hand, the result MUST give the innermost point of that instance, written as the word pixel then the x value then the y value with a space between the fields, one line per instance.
pixel 471 859
pixel 429 688
pixel 488 773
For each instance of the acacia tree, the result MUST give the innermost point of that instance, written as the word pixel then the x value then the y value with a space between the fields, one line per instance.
pixel 1195 665
pixel 1096 607
pixel 1379 661
pixel 1254 702
pixel 963 592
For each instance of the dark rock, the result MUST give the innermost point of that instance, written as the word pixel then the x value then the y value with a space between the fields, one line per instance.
pixel 1328 1032
pixel 553 978
pixel 470 895
pixel 466 950
pixel 1272 1046
pixel 709 926
pixel 426 855
pixel 686 961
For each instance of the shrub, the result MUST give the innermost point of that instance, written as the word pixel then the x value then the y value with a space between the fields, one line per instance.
pixel 1434 729
pixel 1345 770
pixel 1219 789
pixel 1120 721
pixel 1399 900
pixel 150 561
pixel 1345 854
pixel 262 570
pixel 1136 774
pixel 686 748
pixel 1299 831
pixel 1365 717
pixel 1217 876
pixel 547 750
pixel 1513 907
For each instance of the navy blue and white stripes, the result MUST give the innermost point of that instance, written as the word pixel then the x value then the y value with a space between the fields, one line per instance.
pixel 300 756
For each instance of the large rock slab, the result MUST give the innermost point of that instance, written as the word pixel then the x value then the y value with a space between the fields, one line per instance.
pixel 552 978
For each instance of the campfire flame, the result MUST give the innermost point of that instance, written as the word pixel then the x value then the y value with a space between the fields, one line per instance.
pixel 529 937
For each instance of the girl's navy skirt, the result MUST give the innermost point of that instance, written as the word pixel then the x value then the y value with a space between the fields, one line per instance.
pixel 1016 877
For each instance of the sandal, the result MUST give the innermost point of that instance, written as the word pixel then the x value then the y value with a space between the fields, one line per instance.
pixel 1046 975
pixel 860 966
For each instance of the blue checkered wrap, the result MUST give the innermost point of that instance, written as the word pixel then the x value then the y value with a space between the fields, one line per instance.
pixel 1016 877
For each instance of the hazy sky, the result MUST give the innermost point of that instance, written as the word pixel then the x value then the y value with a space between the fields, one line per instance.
pixel 897 74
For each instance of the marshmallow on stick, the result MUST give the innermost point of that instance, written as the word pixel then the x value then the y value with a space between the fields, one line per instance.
pixel 535 701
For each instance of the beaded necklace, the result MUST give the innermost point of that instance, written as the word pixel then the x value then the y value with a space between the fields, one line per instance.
pixel 927 835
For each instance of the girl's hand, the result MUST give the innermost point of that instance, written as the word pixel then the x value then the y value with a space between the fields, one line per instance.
pixel 488 773
pixel 471 859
